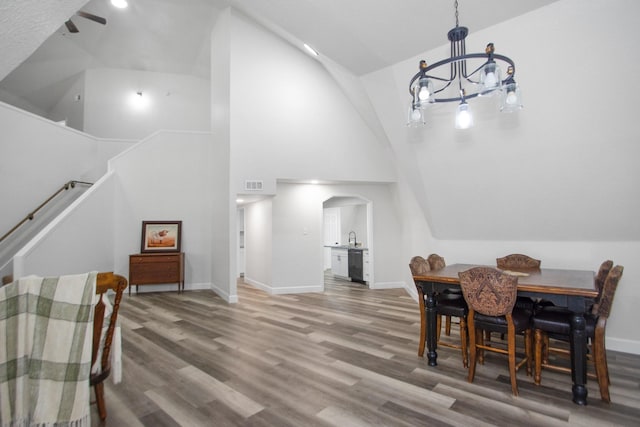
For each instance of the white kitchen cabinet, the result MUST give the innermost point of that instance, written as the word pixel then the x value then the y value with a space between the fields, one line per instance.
pixel 340 262
pixel 365 265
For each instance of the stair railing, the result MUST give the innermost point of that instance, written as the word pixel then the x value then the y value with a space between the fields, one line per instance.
pixel 31 215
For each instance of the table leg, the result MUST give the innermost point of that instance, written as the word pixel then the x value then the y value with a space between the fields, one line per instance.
pixel 432 337
pixel 579 359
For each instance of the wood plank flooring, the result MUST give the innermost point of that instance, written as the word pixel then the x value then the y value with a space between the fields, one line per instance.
pixel 345 357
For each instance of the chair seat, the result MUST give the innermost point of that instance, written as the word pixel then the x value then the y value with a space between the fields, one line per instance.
pixel 521 321
pixel 452 305
pixel 557 320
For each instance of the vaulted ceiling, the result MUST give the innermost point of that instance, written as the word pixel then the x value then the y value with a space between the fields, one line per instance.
pixel 173 36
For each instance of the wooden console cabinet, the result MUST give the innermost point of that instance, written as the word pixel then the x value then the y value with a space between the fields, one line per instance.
pixel 151 269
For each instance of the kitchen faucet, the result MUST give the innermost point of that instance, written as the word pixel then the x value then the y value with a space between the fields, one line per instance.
pixel 354 237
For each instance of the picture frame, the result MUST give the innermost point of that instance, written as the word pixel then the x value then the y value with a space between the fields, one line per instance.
pixel 161 236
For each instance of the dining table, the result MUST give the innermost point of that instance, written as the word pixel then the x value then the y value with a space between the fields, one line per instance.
pixel 573 289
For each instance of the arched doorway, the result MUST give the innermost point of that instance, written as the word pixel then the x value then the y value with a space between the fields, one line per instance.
pixel 348 243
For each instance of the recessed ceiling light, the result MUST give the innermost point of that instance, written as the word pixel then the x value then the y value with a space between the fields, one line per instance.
pixel 120 4
pixel 311 50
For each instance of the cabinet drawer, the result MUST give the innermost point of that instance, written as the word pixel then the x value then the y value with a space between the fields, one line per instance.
pixel 158 259
pixel 146 269
pixel 154 273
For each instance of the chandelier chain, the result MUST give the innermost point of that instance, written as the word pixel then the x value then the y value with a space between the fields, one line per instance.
pixel 456 7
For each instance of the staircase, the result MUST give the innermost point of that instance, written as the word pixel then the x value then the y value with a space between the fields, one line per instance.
pixel 16 238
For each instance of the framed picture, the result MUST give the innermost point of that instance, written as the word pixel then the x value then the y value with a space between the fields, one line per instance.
pixel 161 236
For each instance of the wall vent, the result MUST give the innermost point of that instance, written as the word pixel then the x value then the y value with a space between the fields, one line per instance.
pixel 253 185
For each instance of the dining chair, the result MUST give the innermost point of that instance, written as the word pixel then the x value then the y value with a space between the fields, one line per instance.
pixel 491 298
pixel 437 262
pixel 517 261
pixel 104 326
pixel 520 262
pixel 446 305
pixel 556 323
pixel 600 279
pixel 601 276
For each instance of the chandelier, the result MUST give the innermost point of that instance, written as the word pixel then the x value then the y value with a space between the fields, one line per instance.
pixel 431 84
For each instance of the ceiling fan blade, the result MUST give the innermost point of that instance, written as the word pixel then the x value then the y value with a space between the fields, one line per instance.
pixel 95 18
pixel 71 26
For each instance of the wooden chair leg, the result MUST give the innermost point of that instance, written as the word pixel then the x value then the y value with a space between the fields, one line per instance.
pixel 447 326
pixel 102 408
pixel 545 348
pixel 538 338
pixel 463 342
pixel 528 349
pixel 473 336
pixel 480 339
pixel 423 327
pixel 511 346
pixel 600 361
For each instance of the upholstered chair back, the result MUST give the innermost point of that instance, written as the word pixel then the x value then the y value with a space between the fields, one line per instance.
pixel 419 266
pixel 517 261
pixel 489 291
pixel 436 262
pixel 603 308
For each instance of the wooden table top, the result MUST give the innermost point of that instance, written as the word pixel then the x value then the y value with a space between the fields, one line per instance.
pixel 544 280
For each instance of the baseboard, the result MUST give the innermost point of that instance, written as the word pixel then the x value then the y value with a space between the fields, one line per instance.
pixel 623 346
pixel 282 290
pixel 187 287
pixel 232 299
pixel 386 285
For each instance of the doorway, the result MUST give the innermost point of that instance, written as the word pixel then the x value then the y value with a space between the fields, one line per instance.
pixel 347 225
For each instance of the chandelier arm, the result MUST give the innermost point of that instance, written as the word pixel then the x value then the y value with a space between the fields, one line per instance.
pixel 468 56
pixel 455 59
pixel 455 99
pixel 444 87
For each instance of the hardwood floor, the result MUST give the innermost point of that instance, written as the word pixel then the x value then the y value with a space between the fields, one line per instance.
pixel 346 357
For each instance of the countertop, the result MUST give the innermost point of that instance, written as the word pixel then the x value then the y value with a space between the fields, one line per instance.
pixel 345 247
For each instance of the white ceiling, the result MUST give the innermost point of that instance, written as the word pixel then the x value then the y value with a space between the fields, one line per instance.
pixel 173 36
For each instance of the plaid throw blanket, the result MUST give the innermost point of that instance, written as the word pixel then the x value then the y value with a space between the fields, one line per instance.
pixel 45 351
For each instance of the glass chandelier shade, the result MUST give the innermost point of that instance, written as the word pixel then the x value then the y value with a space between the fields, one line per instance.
pixel 490 78
pixel 424 93
pixel 510 98
pixel 416 115
pixel 464 118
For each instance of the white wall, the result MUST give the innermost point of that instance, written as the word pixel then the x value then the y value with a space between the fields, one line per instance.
pixel 223 221
pixel 70 107
pixel 561 169
pixel 79 240
pixel 294 262
pixel 37 156
pixel 258 243
pixel 21 103
pixel 354 218
pixel 558 180
pixel 172 101
pixel 289 119
pixel 166 177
